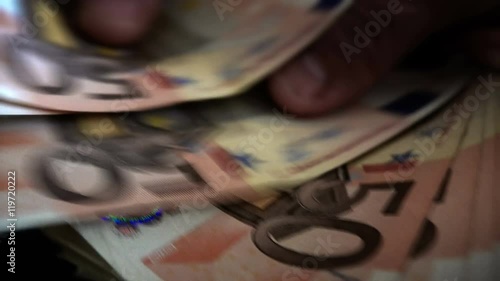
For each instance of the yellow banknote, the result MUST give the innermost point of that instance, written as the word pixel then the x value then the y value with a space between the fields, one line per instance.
pixel 357 223
pixel 480 258
pixel 265 150
pixel 197 50
pixel 83 166
pixel 451 216
pixel 496 225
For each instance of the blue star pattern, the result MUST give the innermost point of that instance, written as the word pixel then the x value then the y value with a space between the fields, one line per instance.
pixel 182 81
pixel 320 136
pixel 404 157
pixel 327 134
pixel 261 46
pixel 230 73
pixel 295 154
pixel 247 160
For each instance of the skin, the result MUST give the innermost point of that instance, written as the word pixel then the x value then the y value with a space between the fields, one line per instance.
pixel 321 79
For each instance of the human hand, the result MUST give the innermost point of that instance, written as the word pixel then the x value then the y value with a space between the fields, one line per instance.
pixel 334 70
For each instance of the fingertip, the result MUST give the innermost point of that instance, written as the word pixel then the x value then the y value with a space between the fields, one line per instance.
pixel 484 46
pixel 286 93
pixel 308 88
pixel 116 22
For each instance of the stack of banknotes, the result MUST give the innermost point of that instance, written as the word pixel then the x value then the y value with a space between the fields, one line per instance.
pixel 172 164
pixel 421 206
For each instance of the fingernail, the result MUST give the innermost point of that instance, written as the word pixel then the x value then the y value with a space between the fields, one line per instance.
pixel 117 21
pixel 315 69
pixel 305 77
pixel 284 85
pixel 115 10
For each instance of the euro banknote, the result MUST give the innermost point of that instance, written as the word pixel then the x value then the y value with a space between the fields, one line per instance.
pixel 452 214
pixel 14 109
pixel 496 204
pixel 198 50
pixel 480 256
pixel 83 166
pixel 359 222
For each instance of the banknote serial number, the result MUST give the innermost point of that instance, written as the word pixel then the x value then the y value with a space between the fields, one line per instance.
pixel 11 220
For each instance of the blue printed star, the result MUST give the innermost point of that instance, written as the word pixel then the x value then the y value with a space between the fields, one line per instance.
pixel 320 136
pixel 230 73
pixel 262 46
pixel 295 154
pixel 247 160
pixel 404 157
pixel 182 81
pixel 327 134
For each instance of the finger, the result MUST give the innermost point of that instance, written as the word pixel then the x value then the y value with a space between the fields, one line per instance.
pixel 484 46
pixel 492 57
pixel 116 22
pixel 489 56
pixel 485 37
pixel 344 64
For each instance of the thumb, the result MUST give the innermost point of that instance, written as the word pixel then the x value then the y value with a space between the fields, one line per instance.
pixel 115 22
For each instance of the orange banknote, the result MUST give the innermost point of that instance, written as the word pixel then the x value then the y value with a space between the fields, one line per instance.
pixel 480 260
pixel 496 202
pixel 451 217
pixel 79 167
pixel 359 222
pixel 198 50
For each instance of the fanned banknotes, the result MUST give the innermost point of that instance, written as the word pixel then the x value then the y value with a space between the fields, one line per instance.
pixel 198 50
pixel 356 223
pixel 11 109
pixel 451 218
pixel 86 166
pixel 496 202
pixel 480 256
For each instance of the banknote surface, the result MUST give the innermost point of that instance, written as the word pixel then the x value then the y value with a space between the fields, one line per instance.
pixel 451 217
pixel 480 264
pixel 79 167
pixel 253 153
pixel 356 223
pixel 496 225
pixel 14 109
pixel 197 52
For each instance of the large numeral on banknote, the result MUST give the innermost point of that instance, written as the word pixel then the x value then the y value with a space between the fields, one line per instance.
pixel 26 61
pixel 157 177
pixel 314 197
pixel 429 230
pixel 321 201
pixel 100 72
pixel 317 205
pixel 269 232
pixel 425 239
pixel 22 49
pixel 146 155
pixel 55 180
